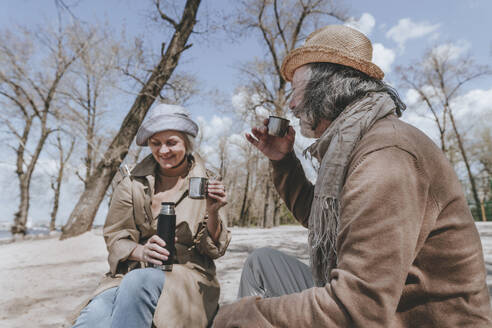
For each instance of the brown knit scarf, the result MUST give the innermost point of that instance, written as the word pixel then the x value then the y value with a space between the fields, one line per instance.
pixel 333 150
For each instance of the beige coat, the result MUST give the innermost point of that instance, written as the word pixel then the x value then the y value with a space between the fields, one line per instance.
pixel 191 291
pixel 409 254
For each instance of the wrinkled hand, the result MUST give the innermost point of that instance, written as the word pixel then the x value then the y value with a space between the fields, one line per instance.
pixel 237 314
pixel 273 147
pixel 152 252
pixel 216 197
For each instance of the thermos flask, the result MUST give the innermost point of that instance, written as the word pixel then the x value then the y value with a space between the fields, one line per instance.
pixel 166 229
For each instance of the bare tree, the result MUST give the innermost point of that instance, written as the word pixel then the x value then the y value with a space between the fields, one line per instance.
pixel 82 216
pixel 33 65
pixel 481 154
pixel 281 26
pixel 246 198
pixel 57 180
pixel 179 89
pixel 88 87
pixel 102 73
pixel 483 149
pixel 412 78
pixel 439 78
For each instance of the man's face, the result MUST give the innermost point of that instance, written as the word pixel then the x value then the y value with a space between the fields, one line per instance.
pixel 299 82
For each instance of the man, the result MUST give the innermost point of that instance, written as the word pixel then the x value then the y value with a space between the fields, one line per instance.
pixel 392 242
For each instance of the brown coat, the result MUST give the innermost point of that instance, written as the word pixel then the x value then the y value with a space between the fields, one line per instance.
pixel 409 252
pixel 191 292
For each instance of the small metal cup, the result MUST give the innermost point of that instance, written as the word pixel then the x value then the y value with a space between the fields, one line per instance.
pixel 277 126
pixel 198 188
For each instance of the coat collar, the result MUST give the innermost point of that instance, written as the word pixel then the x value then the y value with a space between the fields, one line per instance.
pixel 146 167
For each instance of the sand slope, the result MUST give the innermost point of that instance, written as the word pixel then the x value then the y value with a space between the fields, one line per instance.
pixel 42 281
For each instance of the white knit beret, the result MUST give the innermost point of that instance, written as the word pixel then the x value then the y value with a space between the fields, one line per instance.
pixel 165 117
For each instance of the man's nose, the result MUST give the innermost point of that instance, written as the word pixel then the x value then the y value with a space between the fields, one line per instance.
pixel 292 103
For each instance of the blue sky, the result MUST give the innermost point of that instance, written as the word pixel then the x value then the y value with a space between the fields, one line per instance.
pixel 400 31
pixel 466 22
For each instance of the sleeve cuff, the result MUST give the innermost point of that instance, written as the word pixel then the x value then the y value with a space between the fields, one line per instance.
pixel 206 244
pixel 120 251
pixel 285 162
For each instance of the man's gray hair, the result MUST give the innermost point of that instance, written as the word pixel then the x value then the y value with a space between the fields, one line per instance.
pixel 332 87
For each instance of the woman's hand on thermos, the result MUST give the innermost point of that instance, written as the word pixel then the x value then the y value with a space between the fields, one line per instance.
pixel 216 196
pixel 153 251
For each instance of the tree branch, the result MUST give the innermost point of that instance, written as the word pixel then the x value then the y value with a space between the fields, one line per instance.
pixel 280 29
pixel 270 45
pixel 166 17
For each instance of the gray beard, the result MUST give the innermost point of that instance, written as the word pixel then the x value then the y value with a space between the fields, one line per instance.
pixel 307 127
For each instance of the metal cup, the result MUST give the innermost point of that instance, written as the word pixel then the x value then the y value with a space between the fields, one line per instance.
pixel 277 126
pixel 198 188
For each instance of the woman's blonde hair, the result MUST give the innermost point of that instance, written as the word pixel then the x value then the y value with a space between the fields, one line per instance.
pixel 189 142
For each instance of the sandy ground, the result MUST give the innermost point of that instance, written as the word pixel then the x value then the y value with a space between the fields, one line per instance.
pixel 42 281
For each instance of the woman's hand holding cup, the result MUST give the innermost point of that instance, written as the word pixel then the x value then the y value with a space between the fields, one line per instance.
pixel 216 196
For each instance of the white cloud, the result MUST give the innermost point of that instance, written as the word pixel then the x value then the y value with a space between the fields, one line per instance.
pixel 434 37
pixel 47 166
pixel 220 125
pixel 471 111
pixel 365 23
pixel 237 140
pixel 383 57
pixel 412 97
pixel 214 128
pixel 243 103
pixel 423 121
pixel 473 108
pixel 406 29
pixel 240 100
pixel 451 51
pixel 262 111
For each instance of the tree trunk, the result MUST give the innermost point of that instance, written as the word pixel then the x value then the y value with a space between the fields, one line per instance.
pixel 20 217
pixel 482 208
pixel 266 221
pixel 90 150
pixel 247 215
pixel 465 159
pixel 243 213
pixel 83 214
pixel 277 204
pixel 56 186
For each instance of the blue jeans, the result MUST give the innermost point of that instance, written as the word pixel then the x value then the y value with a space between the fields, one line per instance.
pixel 131 304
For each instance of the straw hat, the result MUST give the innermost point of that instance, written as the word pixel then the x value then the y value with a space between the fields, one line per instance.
pixel 337 44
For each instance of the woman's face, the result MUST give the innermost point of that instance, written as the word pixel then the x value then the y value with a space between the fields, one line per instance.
pixel 168 148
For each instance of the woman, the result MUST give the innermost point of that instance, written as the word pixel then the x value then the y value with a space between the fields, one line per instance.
pixel 134 294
